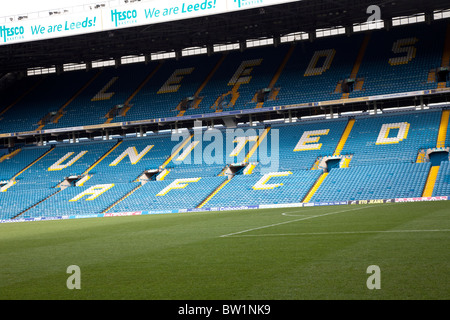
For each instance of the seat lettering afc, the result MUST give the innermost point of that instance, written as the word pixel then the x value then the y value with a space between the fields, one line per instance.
pixel 322 59
pixel 403 46
pixel 240 144
pixel 93 192
pixel 58 165
pixel 187 150
pixel 313 69
pixel 102 94
pixel 132 154
pixel 177 184
pixel 263 185
pixel 384 134
pixel 173 83
pixel 242 74
pixel 309 139
pixel 8 185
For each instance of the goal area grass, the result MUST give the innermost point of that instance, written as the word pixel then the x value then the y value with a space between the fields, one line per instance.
pixel 316 253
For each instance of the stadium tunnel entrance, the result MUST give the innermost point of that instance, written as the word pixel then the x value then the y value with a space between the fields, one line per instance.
pixel 152 175
pixel 436 157
pixel 69 181
pixel 332 162
pixel 235 169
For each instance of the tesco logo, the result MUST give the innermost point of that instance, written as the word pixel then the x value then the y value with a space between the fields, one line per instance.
pixel 6 33
pixel 120 16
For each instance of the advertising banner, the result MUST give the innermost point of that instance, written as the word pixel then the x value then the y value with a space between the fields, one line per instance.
pixel 49 28
pixel 236 208
pixel 125 16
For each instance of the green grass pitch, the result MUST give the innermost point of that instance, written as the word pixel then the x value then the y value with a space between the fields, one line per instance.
pixel 316 253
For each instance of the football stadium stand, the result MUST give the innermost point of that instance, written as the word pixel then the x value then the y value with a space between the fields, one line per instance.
pixel 377 63
pixel 442 187
pixel 142 173
pixel 379 155
pixel 386 181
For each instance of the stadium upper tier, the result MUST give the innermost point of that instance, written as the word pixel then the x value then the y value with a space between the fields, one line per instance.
pixel 403 59
pixel 398 155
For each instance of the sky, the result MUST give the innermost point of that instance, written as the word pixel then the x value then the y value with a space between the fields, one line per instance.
pixel 15 7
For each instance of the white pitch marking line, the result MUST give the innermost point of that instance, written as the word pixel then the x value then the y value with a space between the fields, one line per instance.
pixel 290 221
pixel 338 233
pixel 289 214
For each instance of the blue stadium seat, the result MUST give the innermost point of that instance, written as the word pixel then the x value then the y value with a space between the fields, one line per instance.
pixel 442 186
pixel 384 181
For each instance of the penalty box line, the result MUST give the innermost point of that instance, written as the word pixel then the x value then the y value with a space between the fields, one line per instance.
pixel 340 233
pixel 296 220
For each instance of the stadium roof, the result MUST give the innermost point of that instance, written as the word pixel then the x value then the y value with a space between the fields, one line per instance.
pixel 272 21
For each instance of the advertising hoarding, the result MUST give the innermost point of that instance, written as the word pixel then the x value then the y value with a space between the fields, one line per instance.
pixel 126 16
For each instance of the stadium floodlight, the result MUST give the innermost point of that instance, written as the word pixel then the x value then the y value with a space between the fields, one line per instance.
pixel 103 63
pixel 226 47
pixel 327 32
pixel 351 113
pixel 441 14
pixel 296 36
pixel 416 18
pixel 358 27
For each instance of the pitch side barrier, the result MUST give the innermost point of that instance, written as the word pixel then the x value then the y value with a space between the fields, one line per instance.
pixel 227 208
